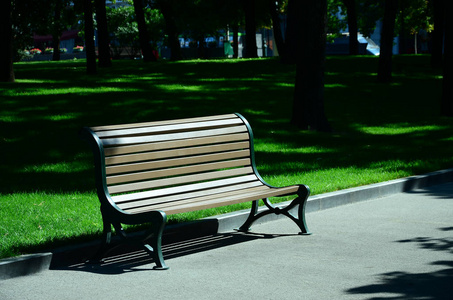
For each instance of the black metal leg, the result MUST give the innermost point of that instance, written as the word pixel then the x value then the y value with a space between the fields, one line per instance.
pixel 105 243
pixel 300 201
pixel 301 218
pixel 251 218
pixel 155 249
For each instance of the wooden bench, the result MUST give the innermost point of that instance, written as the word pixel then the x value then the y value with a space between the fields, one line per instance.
pixel 145 171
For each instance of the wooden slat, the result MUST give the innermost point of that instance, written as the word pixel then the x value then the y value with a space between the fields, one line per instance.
pixel 113 160
pixel 130 177
pixel 184 188
pixel 199 193
pixel 167 163
pixel 175 144
pixel 124 188
pixel 180 127
pixel 165 122
pixel 172 136
pixel 210 202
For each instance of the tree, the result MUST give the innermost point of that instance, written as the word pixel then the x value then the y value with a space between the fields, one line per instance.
pixel 293 33
pixel 368 12
pixel 143 35
pixel 89 36
pixel 447 84
pixel 251 51
pixel 274 8
pixel 438 33
pixel 103 34
pixel 351 11
pixel 56 30
pixel 415 21
pixel 387 34
pixel 6 51
pixel 168 7
pixel 308 105
pixel 54 17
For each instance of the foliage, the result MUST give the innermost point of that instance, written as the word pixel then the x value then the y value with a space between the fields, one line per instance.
pixel 124 30
pixel 369 12
pixel 122 26
pixel 336 20
pixel 416 15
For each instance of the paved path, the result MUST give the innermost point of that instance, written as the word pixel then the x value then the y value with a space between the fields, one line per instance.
pixel 397 247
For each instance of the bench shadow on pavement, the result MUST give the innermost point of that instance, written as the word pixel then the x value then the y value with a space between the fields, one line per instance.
pixel 175 243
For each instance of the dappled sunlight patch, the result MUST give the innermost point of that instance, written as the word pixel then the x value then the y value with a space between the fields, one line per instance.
pixel 335 85
pixel 399 128
pixel 134 77
pixel 59 167
pixel 46 81
pixel 69 90
pixel 257 113
pixel 12 118
pixel 65 117
pixel 180 87
pixel 285 148
pixel 284 84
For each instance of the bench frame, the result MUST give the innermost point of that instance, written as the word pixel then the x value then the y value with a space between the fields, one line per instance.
pixel 151 240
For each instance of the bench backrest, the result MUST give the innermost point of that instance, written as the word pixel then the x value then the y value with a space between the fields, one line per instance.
pixel 176 156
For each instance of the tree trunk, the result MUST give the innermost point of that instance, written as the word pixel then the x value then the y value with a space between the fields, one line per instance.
pixel 351 11
pixel 171 30
pixel 103 35
pixel 6 51
pixel 235 28
pixel 56 35
pixel 308 105
pixel 89 36
pixel 293 32
pixel 143 36
pixel 56 47
pixel 438 33
pixel 278 35
pixel 447 84
pixel 388 29
pixel 251 51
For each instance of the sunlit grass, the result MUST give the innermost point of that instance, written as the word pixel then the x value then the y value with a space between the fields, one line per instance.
pixel 399 128
pixel 47 194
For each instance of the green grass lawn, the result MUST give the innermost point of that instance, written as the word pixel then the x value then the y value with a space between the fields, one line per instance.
pixel 47 197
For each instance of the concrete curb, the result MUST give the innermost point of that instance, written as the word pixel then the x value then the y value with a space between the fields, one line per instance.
pixel 33 263
pixel 24 265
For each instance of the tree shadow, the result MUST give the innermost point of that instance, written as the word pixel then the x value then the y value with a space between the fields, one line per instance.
pixel 427 285
pixel 437 185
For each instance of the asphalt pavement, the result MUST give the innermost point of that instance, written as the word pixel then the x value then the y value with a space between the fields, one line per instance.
pixel 395 246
